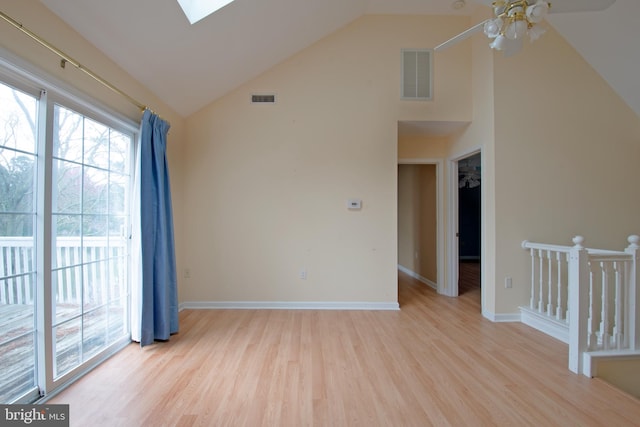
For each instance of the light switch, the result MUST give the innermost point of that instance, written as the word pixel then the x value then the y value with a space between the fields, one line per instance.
pixel 354 204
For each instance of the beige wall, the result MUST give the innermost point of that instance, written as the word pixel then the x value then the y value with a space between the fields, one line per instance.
pixel 624 374
pixel 480 134
pixel 417 220
pixel 565 149
pixel 34 16
pixel 267 185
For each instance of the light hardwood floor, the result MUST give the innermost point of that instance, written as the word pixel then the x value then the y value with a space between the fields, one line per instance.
pixel 437 361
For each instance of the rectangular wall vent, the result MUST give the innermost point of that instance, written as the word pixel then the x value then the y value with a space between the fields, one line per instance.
pixel 416 74
pixel 263 99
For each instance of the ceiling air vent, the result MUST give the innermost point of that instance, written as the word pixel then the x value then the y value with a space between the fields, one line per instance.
pixel 263 99
pixel 416 74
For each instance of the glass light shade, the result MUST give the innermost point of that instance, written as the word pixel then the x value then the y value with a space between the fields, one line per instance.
pixel 537 12
pixel 516 29
pixel 516 10
pixel 535 32
pixel 499 42
pixel 492 28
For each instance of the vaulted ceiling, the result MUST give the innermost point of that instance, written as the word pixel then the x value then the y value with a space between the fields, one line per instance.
pixel 189 66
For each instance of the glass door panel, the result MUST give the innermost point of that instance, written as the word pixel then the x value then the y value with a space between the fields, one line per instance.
pixel 90 217
pixel 17 244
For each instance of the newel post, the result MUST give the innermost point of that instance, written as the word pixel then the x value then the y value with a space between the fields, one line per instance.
pixel 578 303
pixel 634 294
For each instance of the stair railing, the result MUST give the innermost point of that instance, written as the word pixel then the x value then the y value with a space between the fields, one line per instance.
pixel 593 292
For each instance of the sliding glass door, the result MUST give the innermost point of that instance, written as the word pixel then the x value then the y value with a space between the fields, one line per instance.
pixel 65 179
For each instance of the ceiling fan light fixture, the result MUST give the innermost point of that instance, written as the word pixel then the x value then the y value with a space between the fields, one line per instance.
pixel 513 20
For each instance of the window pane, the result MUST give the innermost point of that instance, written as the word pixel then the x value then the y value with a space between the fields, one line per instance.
pixel 96 291
pixel 95 191
pixel 117 227
pixel 119 152
pixel 18 376
pixel 118 193
pixel 117 278
pixel 67 134
pixel 94 225
pixel 12 225
pixel 67 283
pixel 96 144
pixel 68 346
pixel 118 319
pixel 17 120
pixel 67 187
pixel 16 181
pixel 67 250
pixel 95 332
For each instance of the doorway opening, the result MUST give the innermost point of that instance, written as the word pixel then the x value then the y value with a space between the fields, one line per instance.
pixel 420 214
pixel 469 215
pixel 465 231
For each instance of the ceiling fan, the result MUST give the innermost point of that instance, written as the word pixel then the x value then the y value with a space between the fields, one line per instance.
pixel 514 20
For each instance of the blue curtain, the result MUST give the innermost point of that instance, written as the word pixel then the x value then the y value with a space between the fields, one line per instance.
pixel 159 309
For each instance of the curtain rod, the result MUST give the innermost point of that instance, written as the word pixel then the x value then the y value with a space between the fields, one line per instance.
pixel 66 58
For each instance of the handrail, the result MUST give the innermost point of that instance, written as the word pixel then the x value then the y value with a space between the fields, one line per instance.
pixel 544 246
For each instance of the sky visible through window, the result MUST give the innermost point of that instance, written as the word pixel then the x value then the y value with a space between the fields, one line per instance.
pixel 199 9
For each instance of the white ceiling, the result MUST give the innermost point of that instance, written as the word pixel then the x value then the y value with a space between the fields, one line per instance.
pixel 189 66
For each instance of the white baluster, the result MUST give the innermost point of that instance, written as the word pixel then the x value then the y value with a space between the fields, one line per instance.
pixel 19 280
pixel 559 303
pixel 618 326
pixel 541 285
pixel 11 270
pixel 633 301
pixel 567 315
pixel 532 299
pixel 593 338
pixel 604 309
pixel 550 284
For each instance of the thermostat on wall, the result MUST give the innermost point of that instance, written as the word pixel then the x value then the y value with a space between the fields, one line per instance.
pixel 354 204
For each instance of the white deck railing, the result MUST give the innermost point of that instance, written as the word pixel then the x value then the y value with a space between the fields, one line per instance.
pixel 98 261
pixel 593 292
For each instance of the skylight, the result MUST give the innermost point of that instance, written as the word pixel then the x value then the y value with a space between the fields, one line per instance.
pixel 199 9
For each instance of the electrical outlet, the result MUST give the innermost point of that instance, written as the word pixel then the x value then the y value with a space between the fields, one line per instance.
pixel 187 273
pixel 508 283
pixel 303 274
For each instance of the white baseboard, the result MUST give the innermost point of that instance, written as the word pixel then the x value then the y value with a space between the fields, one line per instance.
pixel 552 327
pixel 287 305
pixel 502 317
pixel 415 275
